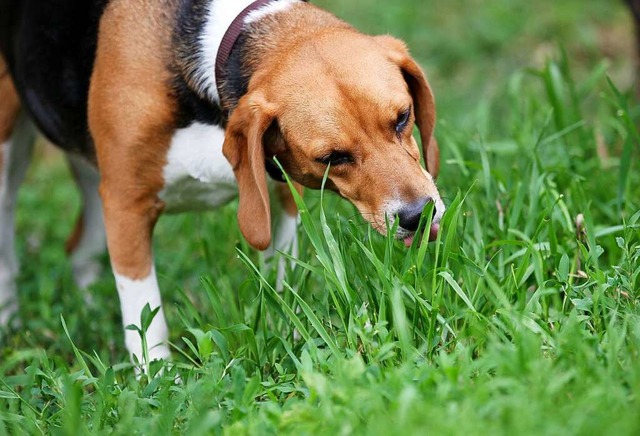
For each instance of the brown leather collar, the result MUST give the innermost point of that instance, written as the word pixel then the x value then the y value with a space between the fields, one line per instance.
pixel 229 40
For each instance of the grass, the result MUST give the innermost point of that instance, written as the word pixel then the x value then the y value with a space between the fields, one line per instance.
pixel 522 318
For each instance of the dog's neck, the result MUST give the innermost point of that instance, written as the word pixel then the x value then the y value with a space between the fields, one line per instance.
pixel 251 13
pixel 267 31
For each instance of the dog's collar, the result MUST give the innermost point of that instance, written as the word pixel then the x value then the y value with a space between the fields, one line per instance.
pixel 229 40
pixel 231 37
pixel 224 53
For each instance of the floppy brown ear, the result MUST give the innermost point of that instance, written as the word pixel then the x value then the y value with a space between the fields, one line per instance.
pixel 244 149
pixel 423 101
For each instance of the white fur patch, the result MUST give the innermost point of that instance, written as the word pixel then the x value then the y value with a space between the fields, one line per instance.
pixel 285 235
pixel 197 175
pixel 134 296
pixel 268 9
pixel 393 207
pixel 437 200
pixel 286 241
pixel 221 15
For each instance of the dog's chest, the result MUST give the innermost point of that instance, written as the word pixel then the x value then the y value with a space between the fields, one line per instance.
pixel 197 175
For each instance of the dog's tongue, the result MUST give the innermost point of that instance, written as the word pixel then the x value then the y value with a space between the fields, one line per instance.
pixel 433 235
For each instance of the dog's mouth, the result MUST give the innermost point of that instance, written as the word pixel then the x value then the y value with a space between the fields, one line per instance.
pixel 420 233
pixel 409 237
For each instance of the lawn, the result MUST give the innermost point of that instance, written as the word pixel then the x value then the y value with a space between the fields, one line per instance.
pixel 523 318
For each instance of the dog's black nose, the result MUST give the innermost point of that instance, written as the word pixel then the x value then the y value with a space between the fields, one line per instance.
pixel 410 215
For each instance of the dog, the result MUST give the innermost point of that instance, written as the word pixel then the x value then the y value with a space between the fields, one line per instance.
pixel 175 105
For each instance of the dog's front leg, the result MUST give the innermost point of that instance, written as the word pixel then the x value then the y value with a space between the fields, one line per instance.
pixel 132 110
pixel 131 148
pixel 285 230
pixel 131 156
pixel 129 226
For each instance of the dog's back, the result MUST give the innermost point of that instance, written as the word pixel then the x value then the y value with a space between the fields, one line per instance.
pixel 61 34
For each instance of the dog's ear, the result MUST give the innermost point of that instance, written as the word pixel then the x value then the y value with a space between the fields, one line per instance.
pixel 423 101
pixel 244 149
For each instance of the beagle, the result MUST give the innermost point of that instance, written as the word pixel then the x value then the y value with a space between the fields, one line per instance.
pixel 176 105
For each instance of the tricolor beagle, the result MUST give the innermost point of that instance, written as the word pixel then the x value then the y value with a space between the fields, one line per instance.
pixel 174 105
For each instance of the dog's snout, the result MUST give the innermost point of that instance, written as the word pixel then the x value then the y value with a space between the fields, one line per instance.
pixel 410 215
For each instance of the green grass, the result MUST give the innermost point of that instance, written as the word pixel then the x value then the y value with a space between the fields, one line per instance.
pixel 520 319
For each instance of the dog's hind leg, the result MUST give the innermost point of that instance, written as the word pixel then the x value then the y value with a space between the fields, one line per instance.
pixel 16 143
pixel 88 240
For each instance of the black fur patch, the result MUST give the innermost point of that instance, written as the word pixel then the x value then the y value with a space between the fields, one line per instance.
pixel 189 25
pixel 237 75
pixel 193 108
pixel 50 49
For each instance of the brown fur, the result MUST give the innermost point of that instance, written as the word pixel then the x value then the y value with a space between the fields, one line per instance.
pixel 131 118
pixel 424 105
pixel 76 235
pixel 244 149
pixel 309 81
pixel 9 105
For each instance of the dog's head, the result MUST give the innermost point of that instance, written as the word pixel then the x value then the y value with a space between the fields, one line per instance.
pixel 347 101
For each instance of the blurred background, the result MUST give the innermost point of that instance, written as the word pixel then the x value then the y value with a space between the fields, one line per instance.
pixel 470 48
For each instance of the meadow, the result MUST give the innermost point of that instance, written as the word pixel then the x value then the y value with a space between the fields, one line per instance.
pixel 522 318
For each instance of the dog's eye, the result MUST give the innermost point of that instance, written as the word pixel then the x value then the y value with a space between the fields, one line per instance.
pixel 403 121
pixel 336 158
